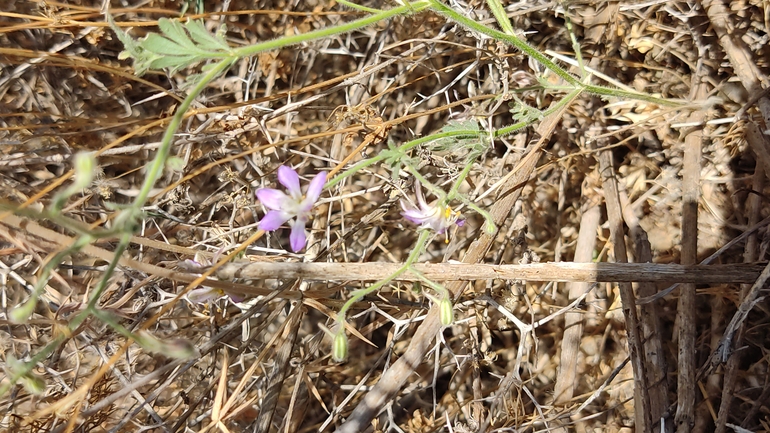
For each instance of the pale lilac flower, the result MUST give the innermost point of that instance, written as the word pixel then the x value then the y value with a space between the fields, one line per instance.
pixel 437 216
pixel 205 294
pixel 295 205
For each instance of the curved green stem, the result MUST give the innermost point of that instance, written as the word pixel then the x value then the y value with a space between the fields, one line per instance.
pixel 285 41
pixel 541 58
pixel 357 295
pixel 158 164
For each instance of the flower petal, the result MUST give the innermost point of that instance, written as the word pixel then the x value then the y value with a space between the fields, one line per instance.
pixel 290 179
pixel 415 216
pixel 235 297
pixel 316 187
pixel 273 219
pixel 272 198
pixel 204 294
pixel 298 237
pixel 418 194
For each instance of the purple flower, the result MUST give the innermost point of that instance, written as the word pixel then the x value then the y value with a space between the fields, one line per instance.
pixel 285 207
pixel 437 216
pixel 205 294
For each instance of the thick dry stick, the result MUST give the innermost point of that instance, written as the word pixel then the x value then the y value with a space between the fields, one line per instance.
pixel 655 364
pixel 686 317
pixel 750 253
pixel 394 378
pixel 573 320
pixel 561 272
pixel 635 346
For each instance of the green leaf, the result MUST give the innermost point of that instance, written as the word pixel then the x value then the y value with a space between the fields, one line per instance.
pixel 461 144
pixel 173 62
pixel 175 31
pixel 203 38
pixel 157 44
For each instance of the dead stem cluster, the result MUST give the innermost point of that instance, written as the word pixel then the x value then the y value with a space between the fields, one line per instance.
pixel 601 181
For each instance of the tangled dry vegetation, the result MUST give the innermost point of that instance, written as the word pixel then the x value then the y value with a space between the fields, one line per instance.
pixel 604 180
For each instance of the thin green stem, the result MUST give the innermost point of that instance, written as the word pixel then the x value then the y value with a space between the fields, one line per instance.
pixel 125 240
pixel 155 169
pixel 542 59
pixel 441 290
pixel 359 7
pixel 502 18
pixel 21 314
pixel 286 41
pixel 419 247
pixel 461 178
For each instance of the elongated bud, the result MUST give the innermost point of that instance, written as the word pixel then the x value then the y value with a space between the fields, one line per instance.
pixel 33 383
pixel 489 226
pixel 340 346
pixel 446 312
pixel 23 312
pixel 180 349
pixel 84 170
pixel 175 163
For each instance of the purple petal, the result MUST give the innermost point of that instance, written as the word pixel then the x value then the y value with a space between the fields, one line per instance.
pixel 273 220
pixel 272 198
pixel 290 179
pixel 415 216
pixel 203 295
pixel 316 187
pixel 298 237
pixel 236 298
pixel 418 194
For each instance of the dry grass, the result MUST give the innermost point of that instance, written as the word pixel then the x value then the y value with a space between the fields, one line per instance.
pixel 614 179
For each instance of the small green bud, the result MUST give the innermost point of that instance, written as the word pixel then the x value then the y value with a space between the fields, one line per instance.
pixel 180 349
pixel 489 226
pixel 23 312
pixel 175 163
pixel 340 346
pixel 446 312
pixel 30 381
pixel 33 384
pixel 84 165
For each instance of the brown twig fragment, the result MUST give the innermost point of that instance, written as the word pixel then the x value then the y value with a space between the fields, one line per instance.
pixel 635 346
pixel 573 320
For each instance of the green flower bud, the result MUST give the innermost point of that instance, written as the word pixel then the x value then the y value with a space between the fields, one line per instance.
pixel 180 349
pixel 489 226
pixel 177 348
pixel 23 312
pixel 340 346
pixel 30 381
pixel 84 165
pixel 33 384
pixel 446 312
pixel 175 163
